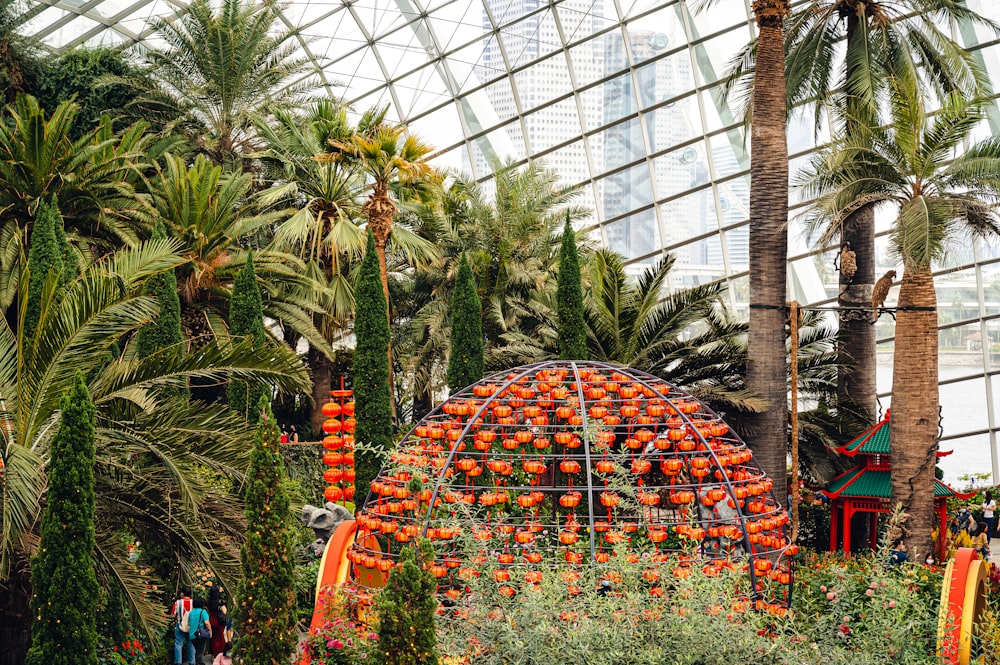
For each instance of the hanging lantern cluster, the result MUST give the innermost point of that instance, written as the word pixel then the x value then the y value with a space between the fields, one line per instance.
pixel 339 446
pixel 577 463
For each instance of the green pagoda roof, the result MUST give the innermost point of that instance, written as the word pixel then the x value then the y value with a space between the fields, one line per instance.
pixel 873 441
pixel 863 482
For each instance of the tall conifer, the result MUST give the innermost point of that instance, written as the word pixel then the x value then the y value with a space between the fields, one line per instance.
pixel 44 256
pixel 406 608
pixel 465 362
pixel 370 374
pixel 246 319
pixel 569 300
pixel 266 594
pixel 163 332
pixel 62 573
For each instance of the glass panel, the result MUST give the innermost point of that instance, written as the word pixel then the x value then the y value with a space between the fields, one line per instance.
pixel 505 142
pixel 609 101
pixel 543 82
pixel 570 162
pixel 552 125
pixel 622 145
pixel 635 235
pixel 698 263
pixel 502 98
pixel 680 170
pixel 963 404
pixel 625 191
pixel 601 56
pixel 738 247
pixel 970 457
pixel 664 79
pixel 677 122
pixel 688 217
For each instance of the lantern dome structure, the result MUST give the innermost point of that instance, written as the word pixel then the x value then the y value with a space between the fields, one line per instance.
pixel 576 463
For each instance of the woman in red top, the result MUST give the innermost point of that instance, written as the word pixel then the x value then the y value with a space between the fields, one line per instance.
pixel 217 616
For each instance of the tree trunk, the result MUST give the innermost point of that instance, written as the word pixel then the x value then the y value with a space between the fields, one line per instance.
pixel 322 371
pixel 857 381
pixel 381 211
pixel 914 424
pixel 766 363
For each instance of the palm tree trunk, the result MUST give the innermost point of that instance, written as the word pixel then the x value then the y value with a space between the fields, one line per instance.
pixel 381 211
pixel 914 432
pixel 322 371
pixel 766 365
pixel 856 382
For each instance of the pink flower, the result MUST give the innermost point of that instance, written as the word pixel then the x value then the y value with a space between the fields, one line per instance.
pixel 336 644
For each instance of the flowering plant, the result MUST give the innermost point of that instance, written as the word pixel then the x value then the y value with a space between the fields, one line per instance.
pixel 339 642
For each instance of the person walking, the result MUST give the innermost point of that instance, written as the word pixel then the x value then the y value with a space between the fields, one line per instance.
pixel 200 630
pixel 218 617
pixel 181 614
pixel 226 657
pixel 989 512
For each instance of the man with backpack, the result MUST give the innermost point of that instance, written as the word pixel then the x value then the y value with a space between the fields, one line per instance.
pixel 182 608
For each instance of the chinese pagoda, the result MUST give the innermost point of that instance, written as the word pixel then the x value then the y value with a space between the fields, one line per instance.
pixel 867 488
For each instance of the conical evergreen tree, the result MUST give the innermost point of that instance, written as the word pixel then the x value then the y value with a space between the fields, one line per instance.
pixel 164 332
pixel 406 608
pixel 370 374
pixel 44 257
pixel 465 362
pixel 62 573
pixel 569 300
pixel 246 319
pixel 266 594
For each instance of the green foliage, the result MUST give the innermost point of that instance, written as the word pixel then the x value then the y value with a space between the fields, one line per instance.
pixel 406 608
pixel 266 596
pixel 76 75
pixel 877 616
pixel 370 373
pixel 20 61
pixel 164 332
pixel 246 319
pixel 569 300
pixel 44 257
pixel 62 573
pixel 465 362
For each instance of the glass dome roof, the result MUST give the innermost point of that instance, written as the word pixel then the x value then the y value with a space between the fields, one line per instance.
pixel 624 98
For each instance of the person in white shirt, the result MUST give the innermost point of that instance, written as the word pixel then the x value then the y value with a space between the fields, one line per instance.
pixel 989 508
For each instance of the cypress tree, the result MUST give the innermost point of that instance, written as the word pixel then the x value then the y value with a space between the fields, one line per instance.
pixel 406 608
pixel 62 573
pixel 246 319
pixel 44 257
pixel 465 362
pixel 370 373
pixel 569 300
pixel 267 591
pixel 165 330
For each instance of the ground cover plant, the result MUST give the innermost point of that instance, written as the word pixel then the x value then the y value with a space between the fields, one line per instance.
pixel 856 611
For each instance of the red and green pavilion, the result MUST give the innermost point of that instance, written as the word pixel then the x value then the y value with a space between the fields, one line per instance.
pixel 867 488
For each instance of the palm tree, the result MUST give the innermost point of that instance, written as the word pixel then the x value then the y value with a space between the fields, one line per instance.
pixel 911 166
pixel 324 197
pixel 766 361
pixel 208 213
pixel 95 178
pixel 512 241
pixel 153 447
pixel 219 70
pixel 879 38
pixel 388 155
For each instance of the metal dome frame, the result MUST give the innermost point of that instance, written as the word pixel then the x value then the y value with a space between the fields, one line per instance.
pixel 684 430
